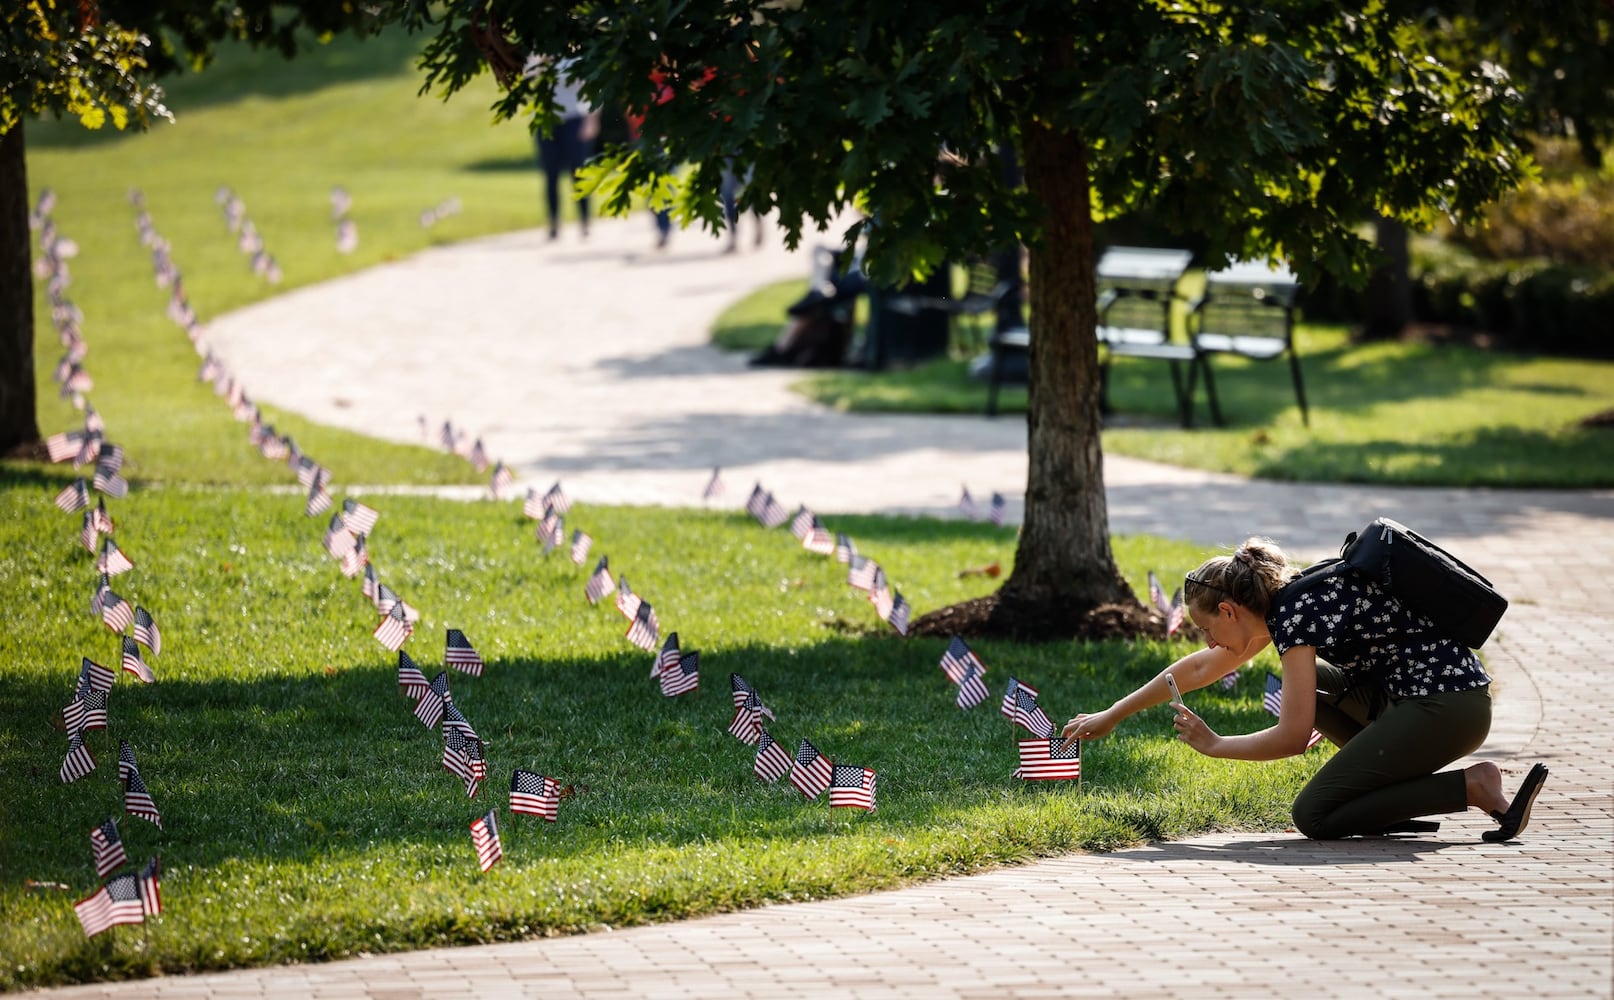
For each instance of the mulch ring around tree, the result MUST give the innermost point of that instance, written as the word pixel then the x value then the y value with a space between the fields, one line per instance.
pixel 1598 421
pixel 1046 623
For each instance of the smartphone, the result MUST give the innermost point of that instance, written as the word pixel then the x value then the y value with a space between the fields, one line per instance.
pixel 1176 696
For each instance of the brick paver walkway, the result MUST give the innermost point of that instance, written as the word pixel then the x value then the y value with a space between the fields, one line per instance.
pixel 586 363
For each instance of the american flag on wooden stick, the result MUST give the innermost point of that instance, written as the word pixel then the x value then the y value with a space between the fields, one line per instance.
pixel 74 497
pixel 319 498
pixel 773 761
pixel 462 757
pixel 550 530
pixel 683 676
pixel 107 847
pixel 746 725
pixel 999 509
pixel 78 761
pixel 116 902
pixel 433 701
pixel 740 689
pixel 580 546
pixel 358 518
pixel 801 522
pixel 811 771
pixel 714 486
pixel 65 445
pixel 773 513
pixel 137 800
pixel 1272 701
pixel 410 678
pixel 485 837
pixel 151 896
pixel 394 628
pixel 958 658
pixel 645 631
pixel 112 560
pixel 844 549
pixel 627 602
pixel 557 500
pixel 1029 714
pixel 501 482
pixel 461 655
pixel 966 503
pixel 1009 696
pixel 89 532
pixel 971 689
pixel 1049 760
pixel 600 583
pixel 116 612
pixel 532 794
pixel 818 540
pixel 533 505
pixel 862 572
pixel 667 658
pixel 132 663
pixel 355 559
pixel 851 787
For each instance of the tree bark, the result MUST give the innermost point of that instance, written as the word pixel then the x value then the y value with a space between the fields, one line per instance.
pixel 1389 290
pixel 1063 562
pixel 19 423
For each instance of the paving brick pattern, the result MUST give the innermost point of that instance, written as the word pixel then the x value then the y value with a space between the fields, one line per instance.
pixel 1224 915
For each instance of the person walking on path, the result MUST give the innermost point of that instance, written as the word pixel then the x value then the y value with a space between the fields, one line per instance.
pixel 564 151
pixel 1398 700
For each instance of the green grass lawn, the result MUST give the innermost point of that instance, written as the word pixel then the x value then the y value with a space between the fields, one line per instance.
pixel 1398 413
pixel 306 813
pixel 281 135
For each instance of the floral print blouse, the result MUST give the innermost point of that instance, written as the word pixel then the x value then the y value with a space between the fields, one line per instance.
pixel 1368 633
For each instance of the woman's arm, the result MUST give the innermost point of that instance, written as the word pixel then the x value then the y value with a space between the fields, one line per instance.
pixel 1293 729
pixel 1194 671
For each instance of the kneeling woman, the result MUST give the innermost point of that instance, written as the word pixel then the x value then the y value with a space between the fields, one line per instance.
pixel 1399 701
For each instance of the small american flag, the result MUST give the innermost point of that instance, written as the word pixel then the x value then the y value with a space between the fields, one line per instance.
pixel 116 612
pixel 116 902
pixel 1175 614
pixel 446 437
pixel 65 445
pixel 1157 594
pixel 132 663
pixel 87 710
pixel 550 529
pixel 746 725
pixel 533 505
pixel 501 482
pixel 108 848
pixel 645 631
pixel 773 513
pixel 1230 681
pixel 479 456
pixel 580 546
pixel 812 770
pixel 126 760
pixel 151 894
pixel 844 549
pixel 460 753
pixel 971 689
pixel 355 559
pixel 862 572
pixel 372 583
pixel 898 613
pixel 394 628
pixel 557 500
pixel 667 658
pixel 755 502
pixel 851 787
pixel 109 482
pixel 338 540
pixel 429 709
pixel 773 761
pixel 999 509
pixel 957 660
pixel 802 522
pixel 89 533
pixel 740 690
pixel 310 473
pixel 78 762
pixel 101 520
pixel 112 561
pixel 713 490
pixel 600 583
pixel 1047 760
pixel 1029 714
pixel 534 795
pixel 627 602
pixel 1010 696
pixel 319 499
pixel 75 496
pixel 818 540
pixel 359 519
pixel 410 677
pixel 146 633
pixel 386 599
pixel 966 503
pixel 460 655
pixel 683 677
pixel 485 836
pixel 137 801
pixel 1272 701
pixel 453 718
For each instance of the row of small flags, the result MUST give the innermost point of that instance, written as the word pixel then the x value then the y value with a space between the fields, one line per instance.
pixel 248 241
pixel 131 897
pixel 1042 758
pixel 995 511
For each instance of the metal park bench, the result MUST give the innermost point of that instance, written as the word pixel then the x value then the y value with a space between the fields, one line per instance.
pixel 1137 286
pixel 1247 310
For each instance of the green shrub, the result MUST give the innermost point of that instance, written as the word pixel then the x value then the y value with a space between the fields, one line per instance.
pixel 1568 221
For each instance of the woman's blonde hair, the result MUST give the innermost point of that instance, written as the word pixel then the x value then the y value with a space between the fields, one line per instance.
pixel 1250 576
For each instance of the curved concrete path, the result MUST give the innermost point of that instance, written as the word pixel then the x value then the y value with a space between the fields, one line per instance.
pixel 587 363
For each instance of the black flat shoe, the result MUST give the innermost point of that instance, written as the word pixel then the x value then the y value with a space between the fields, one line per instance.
pixel 1517 817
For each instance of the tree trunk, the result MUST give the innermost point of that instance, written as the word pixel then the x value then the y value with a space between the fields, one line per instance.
pixel 1063 564
pixel 19 425
pixel 1389 290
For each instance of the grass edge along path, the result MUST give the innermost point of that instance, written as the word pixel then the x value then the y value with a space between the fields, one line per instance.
pixel 306 812
pixel 1392 413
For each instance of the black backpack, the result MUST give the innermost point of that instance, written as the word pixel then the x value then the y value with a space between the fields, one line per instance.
pixel 1430 581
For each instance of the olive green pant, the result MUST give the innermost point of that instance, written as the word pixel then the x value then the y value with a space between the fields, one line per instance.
pixel 1386 770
